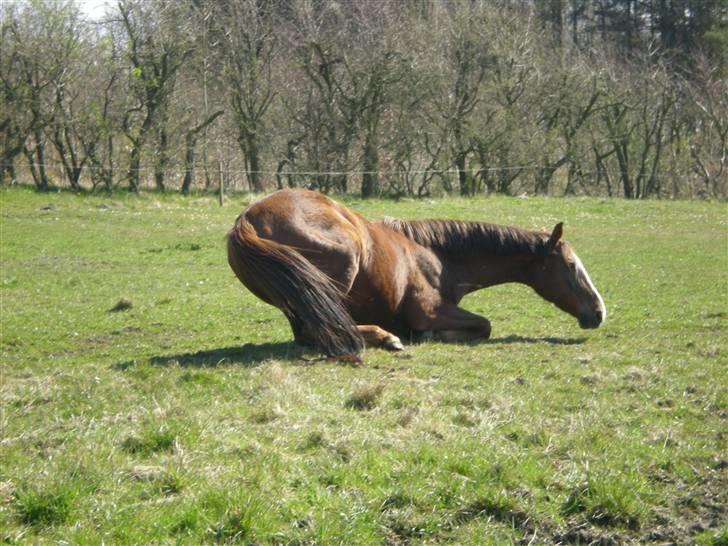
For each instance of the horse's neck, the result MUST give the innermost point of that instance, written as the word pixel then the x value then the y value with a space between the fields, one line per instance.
pixel 463 278
pixel 473 255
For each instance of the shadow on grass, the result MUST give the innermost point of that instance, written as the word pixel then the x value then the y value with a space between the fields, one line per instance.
pixel 248 355
pixel 509 340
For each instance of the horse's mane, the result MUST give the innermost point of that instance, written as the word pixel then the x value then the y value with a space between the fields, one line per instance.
pixel 455 236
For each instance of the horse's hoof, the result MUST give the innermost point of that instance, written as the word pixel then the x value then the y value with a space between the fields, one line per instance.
pixel 392 343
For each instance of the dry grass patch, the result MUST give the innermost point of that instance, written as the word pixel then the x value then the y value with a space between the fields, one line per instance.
pixel 365 397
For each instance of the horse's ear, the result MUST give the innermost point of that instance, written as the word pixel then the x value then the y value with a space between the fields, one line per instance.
pixel 555 236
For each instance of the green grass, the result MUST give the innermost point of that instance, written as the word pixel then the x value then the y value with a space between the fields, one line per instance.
pixel 45 506
pixel 148 398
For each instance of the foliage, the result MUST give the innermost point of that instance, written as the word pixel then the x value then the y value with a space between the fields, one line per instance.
pixel 608 97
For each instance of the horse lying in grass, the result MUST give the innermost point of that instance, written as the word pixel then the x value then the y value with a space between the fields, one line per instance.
pixel 343 281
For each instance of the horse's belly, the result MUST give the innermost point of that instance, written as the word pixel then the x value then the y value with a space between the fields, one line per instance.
pixel 372 301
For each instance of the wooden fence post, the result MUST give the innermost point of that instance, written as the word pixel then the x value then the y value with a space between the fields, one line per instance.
pixel 222 184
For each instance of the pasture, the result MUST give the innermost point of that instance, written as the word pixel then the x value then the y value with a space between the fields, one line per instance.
pixel 147 397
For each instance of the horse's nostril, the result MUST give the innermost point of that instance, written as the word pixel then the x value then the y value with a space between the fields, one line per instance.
pixel 599 317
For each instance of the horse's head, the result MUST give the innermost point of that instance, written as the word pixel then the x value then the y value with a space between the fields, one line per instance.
pixel 559 277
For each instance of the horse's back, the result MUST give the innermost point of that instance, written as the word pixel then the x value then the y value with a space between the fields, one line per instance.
pixel 293 216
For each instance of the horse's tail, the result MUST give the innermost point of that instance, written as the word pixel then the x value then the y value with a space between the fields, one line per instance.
pixel 293 284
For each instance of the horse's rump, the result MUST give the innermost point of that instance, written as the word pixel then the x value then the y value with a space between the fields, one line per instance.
pixel 281 276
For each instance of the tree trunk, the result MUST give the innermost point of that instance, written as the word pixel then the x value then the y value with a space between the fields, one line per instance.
pixel 160 166
pixel 190 143
pixel 134 163
pixel 622 159
pixel 36 158
pixel 370 178
pixel 11 148
pixel 108 172
pixel 72 165
pixel 254 175
pixel 465 188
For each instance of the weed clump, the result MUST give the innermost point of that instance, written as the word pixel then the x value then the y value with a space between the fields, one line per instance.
pixel 498 507
pixel 42 507
pixel 151 440
pixel 265 415
pixel 186 522
pixel 161 481
pixel 605 503
pixel 365 397
pixel 314 440
pixel 236 526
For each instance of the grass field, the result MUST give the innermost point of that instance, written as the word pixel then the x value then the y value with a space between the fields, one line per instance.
pixel 185 415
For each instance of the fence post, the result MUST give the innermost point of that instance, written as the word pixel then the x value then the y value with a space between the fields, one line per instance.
pixel 222 185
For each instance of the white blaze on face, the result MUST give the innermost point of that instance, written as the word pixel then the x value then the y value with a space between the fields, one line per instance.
pixel 580 269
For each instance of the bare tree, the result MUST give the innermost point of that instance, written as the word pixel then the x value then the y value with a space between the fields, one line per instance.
pixel 508 105
pixel 155 52
pixel 248 46
pixel 463 69
pixel 709 138
pixel 99 123
pixel 327 104
pixel 635 120
pixel 569 97
pixel 40 40
pixel 71 99
pixel 375 66
pixel 191 137
pixel 15 95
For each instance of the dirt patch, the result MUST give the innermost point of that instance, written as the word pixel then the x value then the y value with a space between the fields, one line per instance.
pixel 703 509
pixel 400 529
pixel 493 509
pixel 486 508
pixel 122 305
pixel 584 534
pixel 693 510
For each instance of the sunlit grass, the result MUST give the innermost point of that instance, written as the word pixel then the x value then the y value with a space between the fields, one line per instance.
pixel 189 416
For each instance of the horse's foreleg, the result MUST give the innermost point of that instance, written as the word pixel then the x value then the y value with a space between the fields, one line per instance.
pixel 449 323
pixel 459 336
pixel 374 336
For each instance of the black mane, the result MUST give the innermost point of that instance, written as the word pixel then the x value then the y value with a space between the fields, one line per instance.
pixel 456 237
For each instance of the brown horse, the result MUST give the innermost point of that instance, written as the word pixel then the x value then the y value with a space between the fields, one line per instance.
pixel 342 280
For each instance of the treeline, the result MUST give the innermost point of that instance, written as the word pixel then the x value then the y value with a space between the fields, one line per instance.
pixel 405 97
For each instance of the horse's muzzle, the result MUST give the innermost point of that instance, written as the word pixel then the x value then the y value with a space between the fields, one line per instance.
pixel 591 320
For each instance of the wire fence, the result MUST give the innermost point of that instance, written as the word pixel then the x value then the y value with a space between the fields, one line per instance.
pixel 682 180
pixel 49 166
